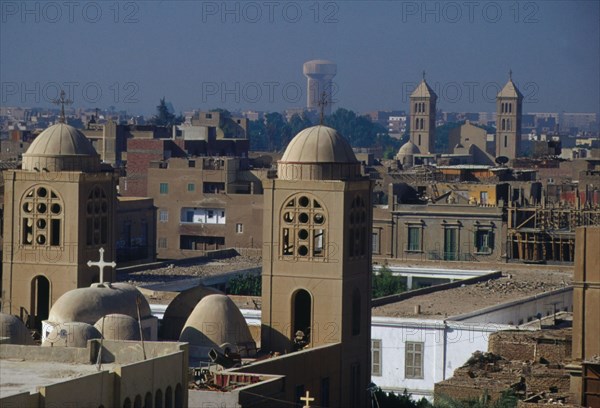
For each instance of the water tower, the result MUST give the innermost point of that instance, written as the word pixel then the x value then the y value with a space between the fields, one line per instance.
pixel 319 74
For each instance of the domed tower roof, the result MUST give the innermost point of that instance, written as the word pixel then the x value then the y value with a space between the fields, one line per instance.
pixel 318 153
pixel 88 305
pixel 408 149
pixel 71 334
pixel 118 327
pixel 216 321
pixel 61 147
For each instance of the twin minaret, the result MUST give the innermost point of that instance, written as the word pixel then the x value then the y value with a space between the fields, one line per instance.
pixel 423 102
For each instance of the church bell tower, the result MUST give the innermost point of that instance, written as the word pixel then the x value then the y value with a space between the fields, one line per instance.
pixel 316 287
pixel 59 211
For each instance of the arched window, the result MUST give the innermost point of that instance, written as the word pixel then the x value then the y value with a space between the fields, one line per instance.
pixel 503 127
pixel 416 107
pixel 137 402
pixel 178 396
pixel 419 141
pixel 422 127
pixel 301 316
pixel 158 399
pixel 357 233
pixel 356 313
pixel 40 299
pixel 169 397
pixel 127 403
pixel 42 213
pixel 304 227
pixel 148 400
pixel 508 124
pixel 97 217
pixel 510 108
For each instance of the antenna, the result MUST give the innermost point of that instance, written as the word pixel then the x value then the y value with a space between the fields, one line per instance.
pixel 62 102
pixel 323 102
pixel 423 75
pixel 510 74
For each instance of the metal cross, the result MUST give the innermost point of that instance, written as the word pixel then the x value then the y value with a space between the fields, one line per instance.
pixel 323 102
pixel 62 102
pixel 306 399
pixel 423 75
pixel 510 74
pixel 101 264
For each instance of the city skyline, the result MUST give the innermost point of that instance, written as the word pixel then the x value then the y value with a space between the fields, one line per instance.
pixel 249 56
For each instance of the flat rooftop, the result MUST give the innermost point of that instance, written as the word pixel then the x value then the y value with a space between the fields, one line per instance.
pixel 514 285
pixel 18 376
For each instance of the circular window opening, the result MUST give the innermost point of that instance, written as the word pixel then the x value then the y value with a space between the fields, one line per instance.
pixel 42 192
pixel 41 208
pixel 55 208
pixel 41 239
pixel 303 201
pixel 288 217
pixel 302 250
pixel 319 219
pixel 303 218
pixel 41 224
pixel 303 234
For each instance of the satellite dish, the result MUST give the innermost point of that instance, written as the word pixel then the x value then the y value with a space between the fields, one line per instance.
pixel 502 160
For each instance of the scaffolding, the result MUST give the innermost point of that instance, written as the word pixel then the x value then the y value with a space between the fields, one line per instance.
pixel 541 233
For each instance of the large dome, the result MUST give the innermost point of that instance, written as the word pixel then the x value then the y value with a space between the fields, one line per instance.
pixel 319 144
pixel 87 305
pixel 61 147
pixel 214 322
pixel 318 153
pixel 408 149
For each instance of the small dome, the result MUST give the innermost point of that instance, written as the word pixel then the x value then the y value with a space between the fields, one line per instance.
pixel 90 304
pixel 71 334
pixel 408 149
pixel 118 327
pixel 318 144
pixel 216 320
pixel 318 153
pixel 15 330
pixel 61 147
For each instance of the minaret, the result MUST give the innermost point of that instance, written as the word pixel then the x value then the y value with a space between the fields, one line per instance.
pixel 316 279
pixel 422 117
pixel 508 120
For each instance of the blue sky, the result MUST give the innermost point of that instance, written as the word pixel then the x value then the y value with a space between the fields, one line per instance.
pixel 249 55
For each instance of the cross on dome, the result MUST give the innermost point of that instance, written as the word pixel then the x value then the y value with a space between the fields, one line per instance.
pixel 101 264
pixel 62 102
pixel 323 102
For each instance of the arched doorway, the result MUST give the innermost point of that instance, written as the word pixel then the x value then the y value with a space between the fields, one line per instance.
pixel 301 317
pixel 40 300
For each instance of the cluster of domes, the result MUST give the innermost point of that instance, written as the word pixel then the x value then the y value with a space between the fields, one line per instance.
pixel 61 147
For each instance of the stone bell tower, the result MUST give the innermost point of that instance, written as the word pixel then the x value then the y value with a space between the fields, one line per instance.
pixel 316 286
pixel 59 211
pixel 423 102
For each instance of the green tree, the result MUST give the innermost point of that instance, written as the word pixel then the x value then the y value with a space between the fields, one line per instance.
pixel 245 285
pixel 384 399
pixel 257 132
pixel 298 123
pixel 507 399
pixel 277 131
pixel 165 118
pixel 385 284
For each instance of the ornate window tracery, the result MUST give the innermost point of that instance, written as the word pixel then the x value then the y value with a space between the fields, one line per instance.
pixel 303 228
pixel 42 213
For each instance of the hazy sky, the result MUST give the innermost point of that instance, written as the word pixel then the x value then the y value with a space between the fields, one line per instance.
pixel 249 55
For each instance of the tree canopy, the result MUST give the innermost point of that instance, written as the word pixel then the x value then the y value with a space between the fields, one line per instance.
pixel 164 117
